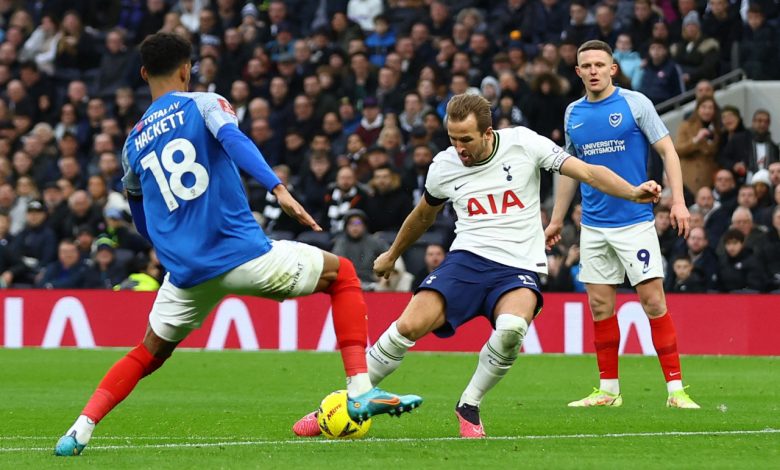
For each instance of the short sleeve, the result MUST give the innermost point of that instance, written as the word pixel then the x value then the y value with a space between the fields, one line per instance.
pixel 216 111
pixel 130 180
pixel 568 145
pixel 646 117
pixel 545 152
pixel 433 181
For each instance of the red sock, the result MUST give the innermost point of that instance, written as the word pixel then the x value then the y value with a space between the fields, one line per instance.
pixel 665 343
pixel 349 318
pixel 607 342
pixel 120 380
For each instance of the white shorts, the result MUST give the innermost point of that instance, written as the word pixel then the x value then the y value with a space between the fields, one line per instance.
pixel 289 269
pixel 607 255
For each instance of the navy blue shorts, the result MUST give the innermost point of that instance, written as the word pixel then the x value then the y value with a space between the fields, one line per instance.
pixel 471 286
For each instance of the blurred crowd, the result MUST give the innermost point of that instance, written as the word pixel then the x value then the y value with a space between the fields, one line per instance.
pixel 346 100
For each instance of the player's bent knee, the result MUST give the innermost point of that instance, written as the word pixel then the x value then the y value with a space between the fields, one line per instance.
pixel 511 330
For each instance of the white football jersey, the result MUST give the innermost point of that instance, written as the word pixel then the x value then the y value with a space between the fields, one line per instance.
pixel 497 200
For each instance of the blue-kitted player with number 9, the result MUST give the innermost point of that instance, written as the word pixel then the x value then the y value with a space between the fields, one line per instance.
pixel 615 128
pixel 186 197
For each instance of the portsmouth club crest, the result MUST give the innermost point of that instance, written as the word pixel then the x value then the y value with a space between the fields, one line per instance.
pixel 615 119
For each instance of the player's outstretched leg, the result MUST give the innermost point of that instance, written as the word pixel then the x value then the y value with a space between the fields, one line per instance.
pixel 350 325
pixel 116 385
pixel 495 359
pixel 665 343
pixel 607 342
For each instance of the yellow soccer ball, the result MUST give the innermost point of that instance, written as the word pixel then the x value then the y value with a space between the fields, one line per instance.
pixel 334 419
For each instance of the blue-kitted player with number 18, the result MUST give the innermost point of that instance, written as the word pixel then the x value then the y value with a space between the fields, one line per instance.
pixel 615 128
pixel 186 197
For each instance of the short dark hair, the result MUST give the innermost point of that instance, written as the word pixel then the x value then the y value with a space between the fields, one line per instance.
pixel 595 45
pixel 162 53
pixel 733 234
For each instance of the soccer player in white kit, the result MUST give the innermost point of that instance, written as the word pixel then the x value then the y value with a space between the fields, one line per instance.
pixel 493 267
pixel 615 127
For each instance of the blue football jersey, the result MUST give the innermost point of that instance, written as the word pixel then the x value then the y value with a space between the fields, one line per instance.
pixel 615 132
pixel 197 213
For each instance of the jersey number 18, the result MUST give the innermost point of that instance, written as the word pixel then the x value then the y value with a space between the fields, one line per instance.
pixel 174 186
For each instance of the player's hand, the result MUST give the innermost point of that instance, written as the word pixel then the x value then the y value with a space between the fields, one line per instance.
pixel 384 265
pixel 552 234
pixel 294 209
pixel 649 191
pixel 681 219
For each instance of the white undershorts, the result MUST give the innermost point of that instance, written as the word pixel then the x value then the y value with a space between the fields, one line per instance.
pixel 289 269
pixel 608 254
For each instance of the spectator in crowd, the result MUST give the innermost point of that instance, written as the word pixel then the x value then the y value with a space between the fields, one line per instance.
pixel 82 212
pixel 774 174
pixel 661 77
pixel 697 144
pixel 359 246
pixel 768 255
pixel 758 49
pixel 722 23
pixel 389 204
pixel 118 230
pixel 629 60
pixel 68 272
pixel 13 207
pixel 579 29
pixel 314 184
pixel 114 65
pixel 705 202
pixel 36 247
pixel 8 259
pixel 414 177
pixel 684 278
pixel 276 220
pixel 608 27
pixel 146 274
pixel 742 220
pixel 41 46
pixel 434 255
pixel 546 107
pixel 343 194
pixel 738 270
pixel 381 41
pixel 751 151
pixel 697 54
pixel 105 271
pixel 559 277
pixel 732 125
pixel 372 121
pixel 762 187
pixel 703 257
pixel 641 26
pixel 84 240
pixel 550 18
pixel 667 236
pixel 76 51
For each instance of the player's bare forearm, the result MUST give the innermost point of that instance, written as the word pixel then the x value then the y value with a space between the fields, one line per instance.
pixel 665 148
pixel 416 223
pixel 609 182
pixel 680 217
pixel 293 208
pixel 564 193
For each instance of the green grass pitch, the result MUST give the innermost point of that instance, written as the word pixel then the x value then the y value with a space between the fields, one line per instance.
pixel 235 410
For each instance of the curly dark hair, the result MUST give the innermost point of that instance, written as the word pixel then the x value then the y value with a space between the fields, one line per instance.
pixel 162 53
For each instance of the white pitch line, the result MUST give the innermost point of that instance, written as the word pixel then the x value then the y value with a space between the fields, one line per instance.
pixel 401 440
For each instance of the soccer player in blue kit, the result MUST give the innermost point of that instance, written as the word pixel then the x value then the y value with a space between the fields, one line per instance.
pixel 186 197
pixel 614 127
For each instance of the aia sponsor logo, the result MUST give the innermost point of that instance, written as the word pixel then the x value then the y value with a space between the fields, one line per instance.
pixel 494 204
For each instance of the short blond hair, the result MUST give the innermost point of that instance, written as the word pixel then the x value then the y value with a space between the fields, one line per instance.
pixel 461 106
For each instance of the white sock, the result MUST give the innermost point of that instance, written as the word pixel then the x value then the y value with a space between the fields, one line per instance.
pixel 496 357
pixel 674 385
pixel 83 427
pixel 387 353
pixel 610 385
pixel 358 384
